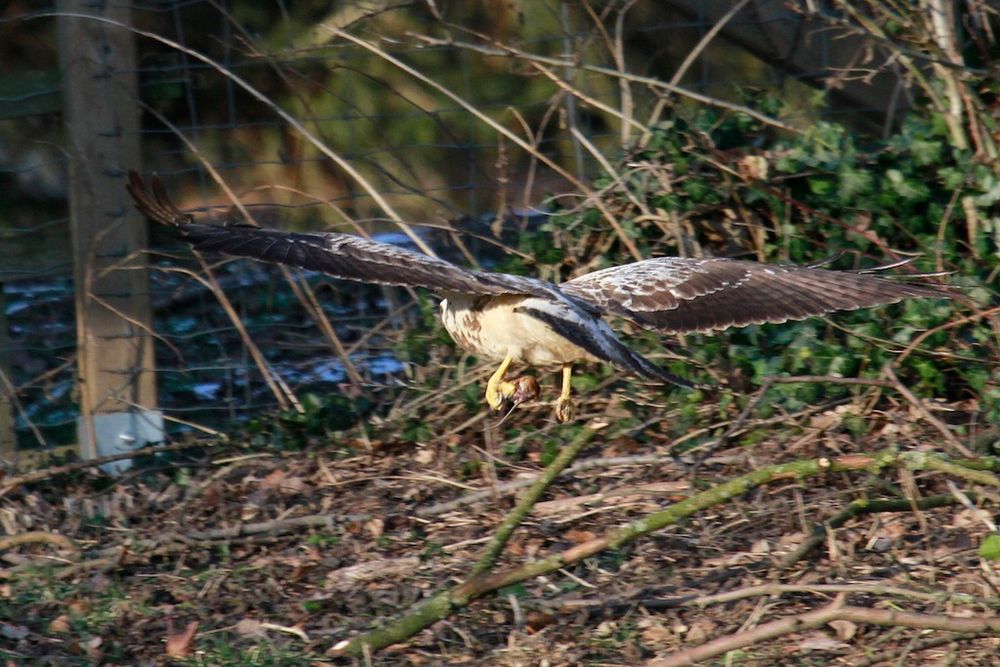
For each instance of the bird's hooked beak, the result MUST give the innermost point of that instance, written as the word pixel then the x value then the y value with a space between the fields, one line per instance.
pixel 517 391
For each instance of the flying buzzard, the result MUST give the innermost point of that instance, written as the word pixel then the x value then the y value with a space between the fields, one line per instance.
pixel 517 319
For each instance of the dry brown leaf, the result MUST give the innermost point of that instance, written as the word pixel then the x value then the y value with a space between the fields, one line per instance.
pixel 375 527
pixel 845 629
pixel 213 494
pixel 300 571
pixel 970 518
pixel 93 649
pixel 562 505
pixel 179 644
pixel 699 632
pixel 537 620
pixel 294 485
pixel 826 420
pixel 516 546
pixel 249 627
pixel 791 539
pixel 605 629
pixel 895 529
pixel 274 480
pixel 59 624
pixel 346 577
pixel 533 546
pixel 655 633
pixel 280 481
pixel 78 607
pixel 753 168
pixel 578 536
pixel 817 641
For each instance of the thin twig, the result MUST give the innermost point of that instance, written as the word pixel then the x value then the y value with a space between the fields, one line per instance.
pixel 643 597
pixel 915 343
pixel 896 655
pixel 651 82
pixel 46 473
pixel 836 611
pixel 925 413
pixel 499 128
pixel 36 536
pixel 11 391
pixel 507 487
pixel 857 508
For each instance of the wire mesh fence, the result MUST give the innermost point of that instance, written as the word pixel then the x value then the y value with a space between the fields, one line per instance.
pixel 356 118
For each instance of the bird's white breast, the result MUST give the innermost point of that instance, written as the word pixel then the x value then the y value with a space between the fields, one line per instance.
pixel 492 328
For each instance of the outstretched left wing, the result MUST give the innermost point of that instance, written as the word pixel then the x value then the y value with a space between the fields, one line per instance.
pixel 677 295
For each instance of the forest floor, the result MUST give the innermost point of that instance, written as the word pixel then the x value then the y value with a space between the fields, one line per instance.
pixel 228 554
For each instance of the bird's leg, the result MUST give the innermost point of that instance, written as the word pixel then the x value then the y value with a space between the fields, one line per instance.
pixel 564 406
pixel 497 389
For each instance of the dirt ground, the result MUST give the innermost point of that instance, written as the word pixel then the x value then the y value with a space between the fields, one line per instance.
pixel 247 555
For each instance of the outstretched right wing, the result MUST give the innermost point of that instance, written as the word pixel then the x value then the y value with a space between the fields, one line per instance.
pixel 338 255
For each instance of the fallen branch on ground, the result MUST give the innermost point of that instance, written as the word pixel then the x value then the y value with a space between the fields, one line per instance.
pixel 34 537
pixel 441 605
pixel 55 471
pixel 857 508
pixel 895 655
pixel 645 598
pixel 481 583
pixel 836 611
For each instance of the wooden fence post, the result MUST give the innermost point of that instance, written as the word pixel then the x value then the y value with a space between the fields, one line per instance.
pixel 115 361
pixel 8 435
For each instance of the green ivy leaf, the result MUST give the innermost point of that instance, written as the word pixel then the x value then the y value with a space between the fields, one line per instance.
pixel 820 186
pixel 990 548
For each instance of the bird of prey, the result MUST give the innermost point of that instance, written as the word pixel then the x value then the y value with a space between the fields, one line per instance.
pixel 516 319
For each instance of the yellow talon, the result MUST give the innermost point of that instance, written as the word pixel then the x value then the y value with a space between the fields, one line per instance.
pixel 501 394
pixel 497 390
pixel 507 390
pixel 565 410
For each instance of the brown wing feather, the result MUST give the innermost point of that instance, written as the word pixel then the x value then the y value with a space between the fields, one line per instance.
pixel 677 295
pixel 339 255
